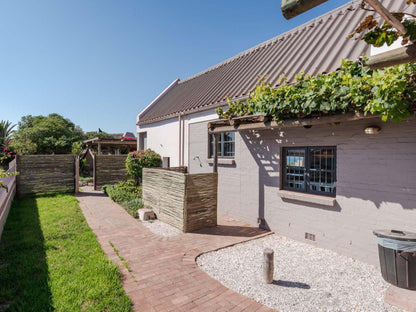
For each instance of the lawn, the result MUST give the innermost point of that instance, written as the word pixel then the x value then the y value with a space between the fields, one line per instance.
pixel 50 260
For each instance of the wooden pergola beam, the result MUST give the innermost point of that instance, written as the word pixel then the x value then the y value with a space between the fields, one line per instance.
pixel 291 123
pixel 390 18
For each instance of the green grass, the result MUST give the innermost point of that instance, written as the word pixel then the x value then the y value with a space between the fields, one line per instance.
pixel 50 260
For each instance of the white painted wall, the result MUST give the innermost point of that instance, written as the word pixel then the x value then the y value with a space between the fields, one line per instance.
pixel 163 137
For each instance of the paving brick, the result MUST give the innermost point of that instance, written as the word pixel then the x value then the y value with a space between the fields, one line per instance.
pixel 166 275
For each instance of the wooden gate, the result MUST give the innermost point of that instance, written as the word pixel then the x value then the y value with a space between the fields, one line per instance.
pixel 108 169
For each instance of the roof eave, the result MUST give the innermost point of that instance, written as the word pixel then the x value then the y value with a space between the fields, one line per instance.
pixel 191 111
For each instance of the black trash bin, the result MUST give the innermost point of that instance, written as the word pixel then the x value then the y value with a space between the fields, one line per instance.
pixel 397 253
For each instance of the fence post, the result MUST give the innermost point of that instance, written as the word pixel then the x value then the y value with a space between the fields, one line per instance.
pixel 268 265
pixel 215 165
pixel 94 173
pixel 76 174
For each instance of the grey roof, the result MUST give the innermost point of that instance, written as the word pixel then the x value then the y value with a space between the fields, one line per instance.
pixel 128 135
pixel 315 47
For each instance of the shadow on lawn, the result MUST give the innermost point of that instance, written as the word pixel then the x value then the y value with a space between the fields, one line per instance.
pixel 24 280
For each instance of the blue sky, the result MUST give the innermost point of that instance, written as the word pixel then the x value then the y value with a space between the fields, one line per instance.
pixel 100 62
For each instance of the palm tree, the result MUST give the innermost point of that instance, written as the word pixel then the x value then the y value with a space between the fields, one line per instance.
pixel 6 130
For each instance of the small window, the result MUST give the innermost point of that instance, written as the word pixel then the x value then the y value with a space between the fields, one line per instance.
pixel 143 140
pixel 166 162
pixel 226 145
pixel 310 170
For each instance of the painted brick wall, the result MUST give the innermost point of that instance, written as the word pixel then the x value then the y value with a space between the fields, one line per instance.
pixel 376 185
pixel 198 148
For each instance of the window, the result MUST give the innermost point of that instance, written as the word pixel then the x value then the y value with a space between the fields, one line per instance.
pixel 310 170
pixel 226 145
pixel 143 140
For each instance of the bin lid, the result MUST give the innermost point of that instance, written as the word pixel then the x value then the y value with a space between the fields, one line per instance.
pixel 396 234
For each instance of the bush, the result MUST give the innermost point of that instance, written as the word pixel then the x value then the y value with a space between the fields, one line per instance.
pixel 136 161
pixel 120 194
pixel 130 185
pixel 126 193
pixel 133 206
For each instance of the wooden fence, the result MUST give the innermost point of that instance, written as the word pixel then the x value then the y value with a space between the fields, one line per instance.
pixel 6 197
pixel 186 201
pixel 108 169
pixel 45 174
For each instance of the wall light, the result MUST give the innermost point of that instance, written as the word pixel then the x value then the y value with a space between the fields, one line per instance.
pixel 372 130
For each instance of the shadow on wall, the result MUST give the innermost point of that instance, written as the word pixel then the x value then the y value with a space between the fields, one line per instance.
pixel 378 174
pixel 335 208
pixel 267 159
pixel 230 230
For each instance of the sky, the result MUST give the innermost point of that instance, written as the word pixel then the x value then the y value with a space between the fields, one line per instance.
pixel 100 62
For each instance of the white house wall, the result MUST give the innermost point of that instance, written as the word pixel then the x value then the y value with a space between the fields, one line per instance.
pixel 189 121
pixel 163 138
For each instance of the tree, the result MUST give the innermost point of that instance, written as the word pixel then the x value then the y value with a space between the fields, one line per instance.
pixel 52 134
pixel 101 135
pixel 6 130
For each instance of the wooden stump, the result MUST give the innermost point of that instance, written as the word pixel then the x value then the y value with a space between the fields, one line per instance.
pixel 268 265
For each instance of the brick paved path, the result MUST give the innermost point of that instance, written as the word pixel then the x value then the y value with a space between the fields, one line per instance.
pixel 163 274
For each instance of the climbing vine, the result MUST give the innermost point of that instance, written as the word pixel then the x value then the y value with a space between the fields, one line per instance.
pixel 389 92
pixel 376 34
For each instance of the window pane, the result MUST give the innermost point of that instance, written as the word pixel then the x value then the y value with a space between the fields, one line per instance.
pixel 226 145
pixel 322 170
pixel 211 145
pixel 295 169
pixel 229 149
pixel 228 137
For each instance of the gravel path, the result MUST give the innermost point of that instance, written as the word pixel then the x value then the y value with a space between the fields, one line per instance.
pixel 160 228
pixel 307 278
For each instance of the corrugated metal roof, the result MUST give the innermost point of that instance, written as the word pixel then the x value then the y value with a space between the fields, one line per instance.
pixel 315 47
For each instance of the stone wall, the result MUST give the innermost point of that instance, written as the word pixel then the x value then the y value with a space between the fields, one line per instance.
pixel 109 169
pixel 187 202
pixel 45 174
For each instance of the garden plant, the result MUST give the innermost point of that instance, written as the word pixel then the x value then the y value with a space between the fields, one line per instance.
pixel 389 92
pixel 129 192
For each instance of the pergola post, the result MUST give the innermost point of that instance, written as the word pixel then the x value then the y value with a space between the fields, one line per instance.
pixel 99 148
pixel 215 165
pixel 76 174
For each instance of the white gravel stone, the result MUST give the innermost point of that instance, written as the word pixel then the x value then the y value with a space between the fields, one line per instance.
pixel 306 278
pixel 160 228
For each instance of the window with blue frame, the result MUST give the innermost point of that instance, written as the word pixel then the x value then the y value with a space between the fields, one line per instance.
pixel 226 145
pixel 310 170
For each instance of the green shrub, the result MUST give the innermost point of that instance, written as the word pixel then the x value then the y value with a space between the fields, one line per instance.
pixel 117 194
pixel 130 185
pixel 126 193
pixel 133 206
pixel 140 159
